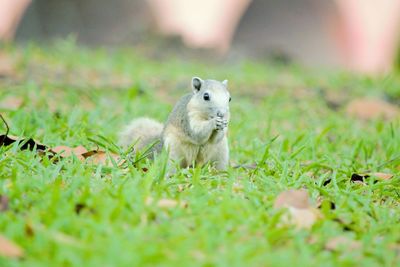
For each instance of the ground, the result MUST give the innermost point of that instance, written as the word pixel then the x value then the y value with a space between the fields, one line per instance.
pixel 289 130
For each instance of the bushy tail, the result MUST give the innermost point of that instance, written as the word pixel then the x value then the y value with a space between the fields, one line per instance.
pixel 142 132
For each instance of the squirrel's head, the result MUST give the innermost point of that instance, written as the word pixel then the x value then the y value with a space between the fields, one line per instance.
pixel 211 97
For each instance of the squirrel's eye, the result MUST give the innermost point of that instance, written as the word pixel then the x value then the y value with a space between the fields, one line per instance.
pixel 206 97
pixel 230 98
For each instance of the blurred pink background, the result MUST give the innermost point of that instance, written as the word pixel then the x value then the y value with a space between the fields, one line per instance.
pixel 359 35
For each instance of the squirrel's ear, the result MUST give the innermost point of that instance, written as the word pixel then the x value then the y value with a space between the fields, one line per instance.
pixel 225 82
pixel 196 84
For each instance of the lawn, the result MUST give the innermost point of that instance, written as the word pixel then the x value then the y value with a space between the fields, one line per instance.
pixel 290 129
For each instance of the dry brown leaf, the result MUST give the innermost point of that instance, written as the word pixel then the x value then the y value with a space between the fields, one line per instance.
pixel 101 157
pixel 66 151
pixel 292 198
pixel 297 202
pixel 6 140
pixel 9 249
pixel 361 177
pixel 342 242
pixel 367 109
pixel 11 102
pixel 382 175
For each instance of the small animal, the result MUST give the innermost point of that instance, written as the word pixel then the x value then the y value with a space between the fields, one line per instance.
pixel 195 132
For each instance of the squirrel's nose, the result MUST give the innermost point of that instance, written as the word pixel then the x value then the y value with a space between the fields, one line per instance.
pixel 220 113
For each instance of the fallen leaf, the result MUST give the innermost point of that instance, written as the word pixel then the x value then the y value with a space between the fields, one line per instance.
pixel 28 144
pixel 89 153
pixel 3 203
pixel 11 103
pixel 338 242
pixel 9 249
pixel 360 177
pixel 382 176
pixel 66 151
pixel 292 198
pixel 301 213
pixel 367 109
pixel 101 157
pixel 6 140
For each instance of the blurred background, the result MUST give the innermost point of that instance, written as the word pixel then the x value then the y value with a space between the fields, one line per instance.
pixel 357 35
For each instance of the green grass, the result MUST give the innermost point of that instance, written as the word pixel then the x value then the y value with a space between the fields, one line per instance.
pixel 72 95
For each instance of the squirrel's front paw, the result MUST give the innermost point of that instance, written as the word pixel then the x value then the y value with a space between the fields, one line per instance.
pixel 220 123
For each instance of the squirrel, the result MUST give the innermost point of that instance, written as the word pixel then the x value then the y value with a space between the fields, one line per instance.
pixel 195 131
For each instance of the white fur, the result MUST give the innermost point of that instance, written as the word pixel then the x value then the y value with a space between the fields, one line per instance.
pixel 206 144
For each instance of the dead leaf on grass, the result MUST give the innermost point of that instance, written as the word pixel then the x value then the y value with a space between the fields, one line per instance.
pixel 101 157
pixel 301 213
pixel 6 140
pixel 338 242
pixel 65 151
pixel 9 249
pixel 361 177
pixel 292 198
pixel 367 109
pixel 382 175
pixel 28 143
pixel 93 156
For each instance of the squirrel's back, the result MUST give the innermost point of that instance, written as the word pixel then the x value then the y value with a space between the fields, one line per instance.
pixel 179 115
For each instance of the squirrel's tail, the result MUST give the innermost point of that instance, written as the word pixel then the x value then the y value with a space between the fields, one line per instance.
pixel 142 132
